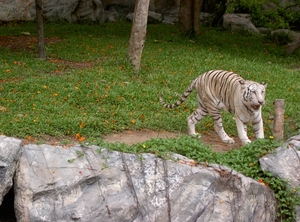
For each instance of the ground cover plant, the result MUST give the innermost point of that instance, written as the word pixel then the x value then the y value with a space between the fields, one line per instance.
pixel 87 89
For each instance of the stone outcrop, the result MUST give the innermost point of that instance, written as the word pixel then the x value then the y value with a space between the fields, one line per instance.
pixel 10 152
pixel 75 10
pixel 238 22
pixel 293 46
pixel 285 163
pixel 94 184
pixel 89 183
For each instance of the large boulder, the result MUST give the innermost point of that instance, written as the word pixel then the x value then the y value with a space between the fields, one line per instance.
pixel 73 10
pixel 93 184
pixel 290 34
pixel 70 10
pixel 10 151
pixel 153 17
pixel 239 22
pixel 285 163
pixel 11 10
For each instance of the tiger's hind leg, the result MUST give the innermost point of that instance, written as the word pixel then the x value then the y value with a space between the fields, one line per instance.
pixel 193 119
pixel 218 125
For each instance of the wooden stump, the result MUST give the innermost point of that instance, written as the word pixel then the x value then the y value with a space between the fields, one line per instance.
pixel 278 128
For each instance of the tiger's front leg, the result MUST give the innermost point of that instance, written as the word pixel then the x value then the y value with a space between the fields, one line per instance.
pixel 258 128
pixel 218 125
pixel 242 131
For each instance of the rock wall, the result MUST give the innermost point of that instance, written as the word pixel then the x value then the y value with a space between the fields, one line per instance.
pixel 79 183
pixel 10 152
pixel 90 183
pixel 75 10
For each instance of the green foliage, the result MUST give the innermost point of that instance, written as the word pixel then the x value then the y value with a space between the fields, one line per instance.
pixel 276 17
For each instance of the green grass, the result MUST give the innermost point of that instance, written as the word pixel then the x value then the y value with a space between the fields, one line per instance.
pixel 43 97
pixel 52 98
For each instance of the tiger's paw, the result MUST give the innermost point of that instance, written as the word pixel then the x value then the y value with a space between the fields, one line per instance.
pixel 196 135
pixel 228 140
pixel 245 141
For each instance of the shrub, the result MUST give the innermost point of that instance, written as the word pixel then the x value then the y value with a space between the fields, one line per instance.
pixel 267 13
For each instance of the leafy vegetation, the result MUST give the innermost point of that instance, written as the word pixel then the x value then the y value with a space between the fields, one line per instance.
pixel 87 89
pixel 268 13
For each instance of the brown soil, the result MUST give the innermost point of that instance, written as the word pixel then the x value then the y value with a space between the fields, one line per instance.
pixel 24 43
pixel 132 137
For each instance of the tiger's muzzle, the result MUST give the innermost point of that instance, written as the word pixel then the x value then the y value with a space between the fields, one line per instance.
pixel 257 106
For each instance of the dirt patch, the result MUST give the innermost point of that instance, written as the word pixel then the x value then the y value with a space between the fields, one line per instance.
pixel 24 43
pixel 30 44
pixel 132 137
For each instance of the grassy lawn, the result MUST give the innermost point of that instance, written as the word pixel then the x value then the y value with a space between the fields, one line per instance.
pixel 87 89
pixel 87 86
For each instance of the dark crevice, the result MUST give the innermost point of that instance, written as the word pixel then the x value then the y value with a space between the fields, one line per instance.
pixel 7 212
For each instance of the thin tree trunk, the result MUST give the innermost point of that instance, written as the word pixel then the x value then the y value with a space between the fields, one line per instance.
pixel 196 16
pixel 40 25
pixel 189 17
pixel 185 17
pixel 138 33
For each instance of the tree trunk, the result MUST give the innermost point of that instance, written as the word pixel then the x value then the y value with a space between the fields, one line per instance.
pixel 189 17
pixel 40 25
pixel 185 17
pixel 196 16
pixel 138 33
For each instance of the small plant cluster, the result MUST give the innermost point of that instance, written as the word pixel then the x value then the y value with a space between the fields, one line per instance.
pixel 268 13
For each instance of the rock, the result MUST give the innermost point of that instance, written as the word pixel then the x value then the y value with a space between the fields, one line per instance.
pixel 112 15
pixel 293 46
pixel 239 22
pixel 285 163
pixel 73 10
pixel 15 10
pixel 265 31
pixel 206 18
pixel 93 184
pixel 123 7
pixel 291 34
pixel 10 151
pixel 153 17
pixel 70 10
pixel 171 16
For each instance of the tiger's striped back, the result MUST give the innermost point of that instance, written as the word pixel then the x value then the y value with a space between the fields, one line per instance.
pixel 214 82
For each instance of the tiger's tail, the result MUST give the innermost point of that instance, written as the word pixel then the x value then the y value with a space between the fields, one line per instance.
pixel 181 100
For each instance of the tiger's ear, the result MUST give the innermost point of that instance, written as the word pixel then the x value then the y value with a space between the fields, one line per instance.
pixel 264 84
pixel 242 82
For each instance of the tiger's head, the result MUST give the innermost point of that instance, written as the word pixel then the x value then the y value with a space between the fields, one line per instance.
pixel 254 94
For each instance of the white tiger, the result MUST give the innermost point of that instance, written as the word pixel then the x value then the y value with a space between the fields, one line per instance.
pixel 219 89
